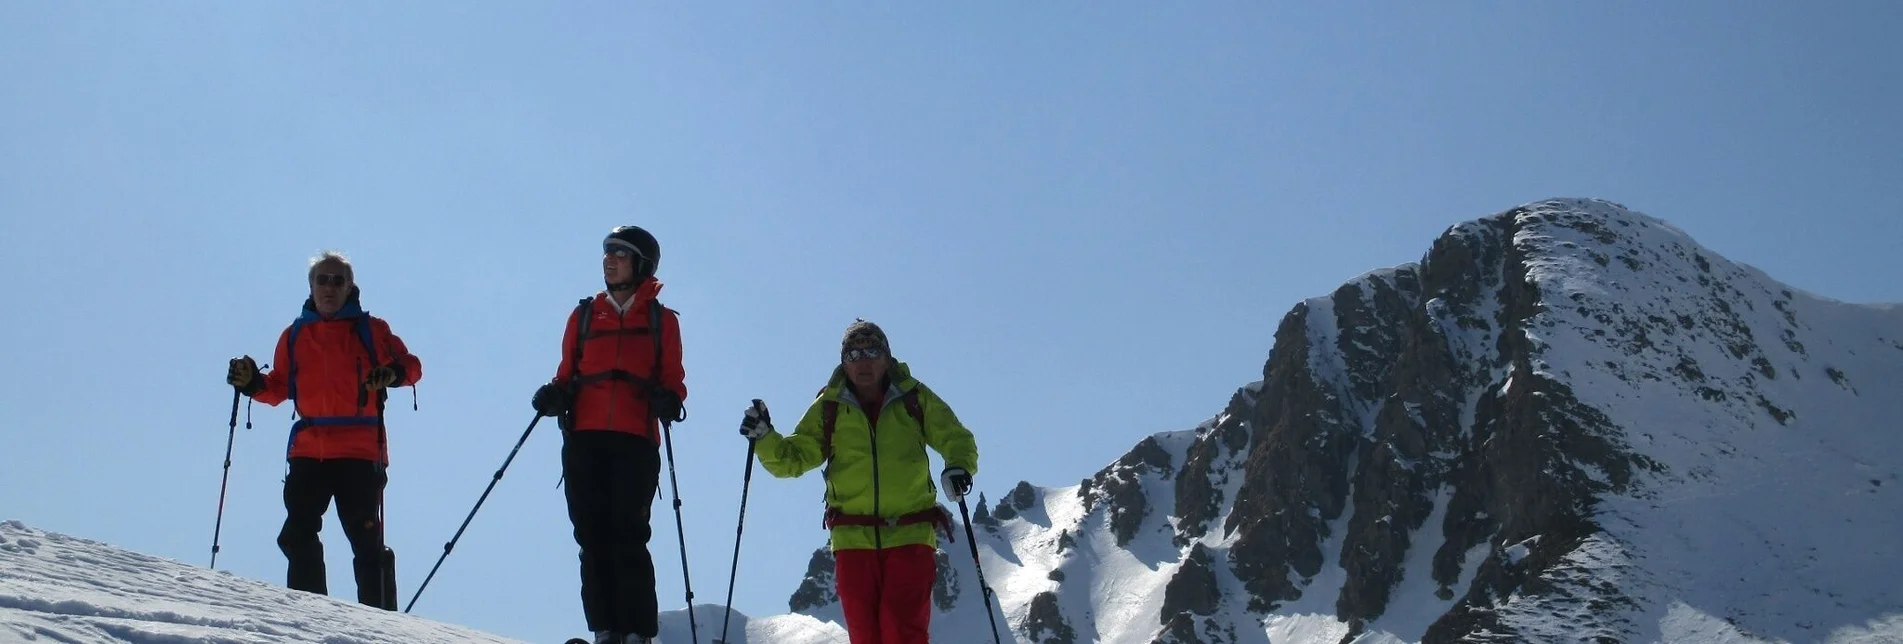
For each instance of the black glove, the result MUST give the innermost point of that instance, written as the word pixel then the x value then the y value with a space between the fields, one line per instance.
pixel 243 374
pixel 957 482
pixel 757 422
pixel 551 400
pixel 665 404
pixel 385 376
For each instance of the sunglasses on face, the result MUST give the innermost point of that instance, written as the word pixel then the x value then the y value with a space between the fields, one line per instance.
pixel 622 252
pixel 328 279
pixel 868 353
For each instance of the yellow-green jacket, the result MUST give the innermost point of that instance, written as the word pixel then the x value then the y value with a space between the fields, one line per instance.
pixel 905 480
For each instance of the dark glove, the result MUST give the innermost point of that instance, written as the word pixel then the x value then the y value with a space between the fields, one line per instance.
pixel 243 374
pixel 384 376
pixel 665 404
pixel 551 400
pixel 757 421
pixel 957 483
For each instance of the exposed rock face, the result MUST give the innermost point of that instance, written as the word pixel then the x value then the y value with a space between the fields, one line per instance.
pixel 1295 479
pixel 1201 486
pixel 818 588
pixel 1193 589
pixel 1020 499
pixel 1044 623
pixel 1121 488
pixel 945 590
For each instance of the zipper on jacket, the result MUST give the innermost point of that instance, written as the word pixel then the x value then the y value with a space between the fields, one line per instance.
pixel 621 321
pixel 872 430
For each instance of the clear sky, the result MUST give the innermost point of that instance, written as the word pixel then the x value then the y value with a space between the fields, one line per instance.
pixel 1079 222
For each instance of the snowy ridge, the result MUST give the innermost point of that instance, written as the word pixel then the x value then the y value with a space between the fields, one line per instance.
pixel 58 588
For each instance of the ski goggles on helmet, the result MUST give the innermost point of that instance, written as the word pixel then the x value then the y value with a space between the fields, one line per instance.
pixel 867 353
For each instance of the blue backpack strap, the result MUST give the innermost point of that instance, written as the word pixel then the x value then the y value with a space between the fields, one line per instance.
pixel 290 352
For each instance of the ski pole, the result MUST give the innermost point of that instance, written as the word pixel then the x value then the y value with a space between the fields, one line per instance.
pixel 667 436
pixel 219 527
pixel 746 482
pixel 472 512
pixel 386 559
pixel 972 538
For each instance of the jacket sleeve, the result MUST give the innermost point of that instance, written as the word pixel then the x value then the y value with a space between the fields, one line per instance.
pixel 396 352
pixel 948 436
pixel 790 456
pixel 673 369
pixel 563 368
pixel 277 382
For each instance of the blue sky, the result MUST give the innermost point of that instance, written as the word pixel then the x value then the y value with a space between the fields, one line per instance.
pixel 1080 223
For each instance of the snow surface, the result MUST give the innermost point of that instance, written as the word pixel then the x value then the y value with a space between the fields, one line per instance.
pixel 66 590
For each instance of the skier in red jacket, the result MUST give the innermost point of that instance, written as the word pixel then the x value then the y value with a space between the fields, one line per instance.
pixel 619 378
pixel 335 363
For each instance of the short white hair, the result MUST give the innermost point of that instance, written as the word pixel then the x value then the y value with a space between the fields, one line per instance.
pixel 332 257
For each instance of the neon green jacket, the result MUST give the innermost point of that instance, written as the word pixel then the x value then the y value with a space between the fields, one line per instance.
pixel 906 482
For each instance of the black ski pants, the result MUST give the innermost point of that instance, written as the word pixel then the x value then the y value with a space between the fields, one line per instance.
pixel 357 485
pixel 611 480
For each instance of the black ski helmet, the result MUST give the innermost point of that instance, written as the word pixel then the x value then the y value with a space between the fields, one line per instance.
pixel 647 251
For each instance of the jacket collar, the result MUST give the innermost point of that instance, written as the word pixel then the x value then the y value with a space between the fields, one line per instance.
pixel 352 308
pixel 646 292
pixel 898 379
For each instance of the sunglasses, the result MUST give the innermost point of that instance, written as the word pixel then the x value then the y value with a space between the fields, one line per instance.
pixel 622 252
pixel 330 279
pixel 868 353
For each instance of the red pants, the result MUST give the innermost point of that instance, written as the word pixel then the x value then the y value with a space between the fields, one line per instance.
pixel 887 594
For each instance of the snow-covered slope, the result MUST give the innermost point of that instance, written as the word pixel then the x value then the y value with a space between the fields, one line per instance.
pixel 1568 423
pixel 67 590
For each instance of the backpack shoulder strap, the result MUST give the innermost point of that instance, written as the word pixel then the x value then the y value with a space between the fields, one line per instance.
pixel 828 417
pixel 290 358
pixel 583 315
pixel 913 407
pixel 362 327
pixel 656 328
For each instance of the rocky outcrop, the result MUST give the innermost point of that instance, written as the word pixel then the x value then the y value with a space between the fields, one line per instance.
pixel 1119 488
pixel 1202 484
pixel 1044 622
pixel 818 588
pixel 1019 500
pixel 1295 479
pixel 945 590
pixel 1192 589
